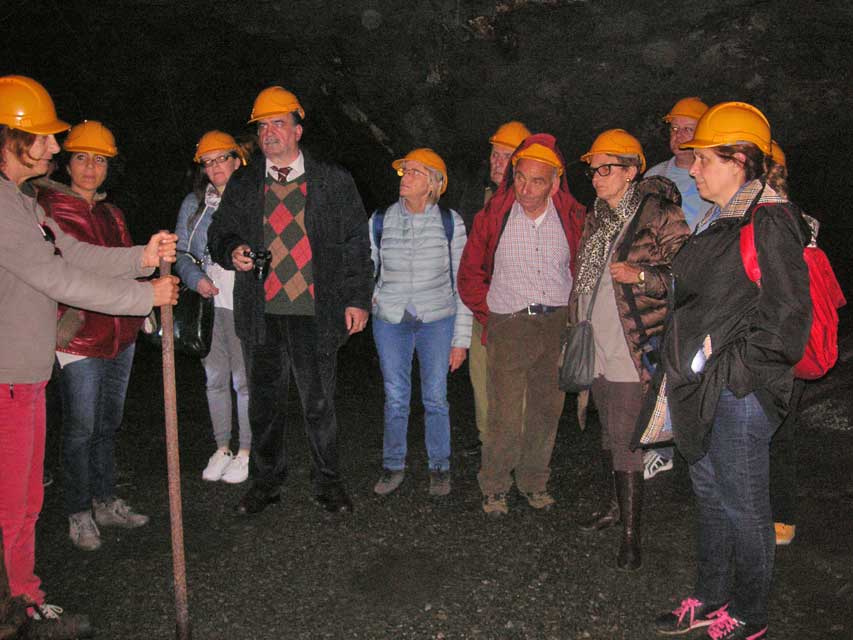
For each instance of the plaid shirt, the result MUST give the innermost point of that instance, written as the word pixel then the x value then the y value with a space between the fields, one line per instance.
pixel 531 263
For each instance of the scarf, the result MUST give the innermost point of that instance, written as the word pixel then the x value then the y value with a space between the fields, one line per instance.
pixel 594 252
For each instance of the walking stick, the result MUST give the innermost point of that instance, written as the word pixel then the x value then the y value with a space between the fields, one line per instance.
pixel 174 465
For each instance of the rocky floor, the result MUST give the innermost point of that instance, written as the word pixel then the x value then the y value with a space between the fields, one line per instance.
pixel 412 566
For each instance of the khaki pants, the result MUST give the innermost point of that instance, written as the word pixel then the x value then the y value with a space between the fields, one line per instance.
pixel 477 370
pixel 525 403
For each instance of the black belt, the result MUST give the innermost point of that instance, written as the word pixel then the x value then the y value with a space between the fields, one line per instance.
pixel 536 310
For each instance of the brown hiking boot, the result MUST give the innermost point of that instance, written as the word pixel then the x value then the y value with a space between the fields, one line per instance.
pixel 541 500
pixel 495 505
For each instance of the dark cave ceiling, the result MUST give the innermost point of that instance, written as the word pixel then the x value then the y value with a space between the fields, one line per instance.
pixel 379 77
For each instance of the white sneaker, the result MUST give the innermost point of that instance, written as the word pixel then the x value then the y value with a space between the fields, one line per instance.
pixel 654 464
pixel 237 471
pixel 117 513
pixel 217 464
pixel 83 531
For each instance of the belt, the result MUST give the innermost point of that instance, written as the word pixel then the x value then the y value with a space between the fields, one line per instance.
pixel 536 310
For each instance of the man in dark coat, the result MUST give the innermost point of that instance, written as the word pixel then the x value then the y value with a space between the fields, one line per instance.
pixel 295 230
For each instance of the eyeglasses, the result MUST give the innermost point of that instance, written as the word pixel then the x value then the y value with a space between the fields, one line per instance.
pixel 674 130
pixel 49 236
pixel 225 157
pixel 603 170
pixel 406 172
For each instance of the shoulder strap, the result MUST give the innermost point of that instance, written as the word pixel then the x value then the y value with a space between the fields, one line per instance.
pixel 447 221
pixel 378 224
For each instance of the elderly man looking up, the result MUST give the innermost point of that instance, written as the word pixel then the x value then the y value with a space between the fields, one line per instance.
pixel 504 141
pixel 516 277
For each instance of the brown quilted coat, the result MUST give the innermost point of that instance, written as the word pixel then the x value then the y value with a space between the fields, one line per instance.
pixel 660 233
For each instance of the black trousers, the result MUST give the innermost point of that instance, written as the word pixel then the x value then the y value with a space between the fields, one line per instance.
pixel 291 347
pixel 783 462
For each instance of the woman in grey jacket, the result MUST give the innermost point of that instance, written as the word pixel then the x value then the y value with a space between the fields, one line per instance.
pixel 416 247
pixel 40 264
pixel 218 155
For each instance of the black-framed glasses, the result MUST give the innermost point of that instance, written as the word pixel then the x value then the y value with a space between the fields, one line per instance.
pixel 225 157
pixel 603 170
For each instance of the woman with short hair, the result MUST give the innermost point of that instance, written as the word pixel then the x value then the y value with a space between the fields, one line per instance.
pixel 416 246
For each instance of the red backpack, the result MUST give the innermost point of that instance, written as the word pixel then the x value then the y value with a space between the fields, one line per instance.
pixel 822 348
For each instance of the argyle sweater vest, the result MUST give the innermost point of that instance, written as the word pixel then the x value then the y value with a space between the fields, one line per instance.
pixel 289 287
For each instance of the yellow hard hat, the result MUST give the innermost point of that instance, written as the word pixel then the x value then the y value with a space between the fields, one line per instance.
pixel 692 108
pixel 510 134
pixel 26 105
pixel 731 123
pixel 91 136
pixel 216 141
pixel 426 157
pixel 274 101
pixel 539 153
pixel 616 142
pixel 777 154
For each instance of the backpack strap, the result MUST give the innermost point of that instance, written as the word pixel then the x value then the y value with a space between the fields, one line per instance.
pixel 447 221
pixel 378 224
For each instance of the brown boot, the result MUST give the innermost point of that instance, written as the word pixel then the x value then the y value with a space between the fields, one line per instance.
pixel 629 491
pixel 607 515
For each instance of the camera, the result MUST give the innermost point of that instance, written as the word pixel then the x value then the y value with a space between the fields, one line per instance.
pixel 261 260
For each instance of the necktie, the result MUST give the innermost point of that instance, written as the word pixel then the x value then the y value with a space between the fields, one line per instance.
pixel 282 172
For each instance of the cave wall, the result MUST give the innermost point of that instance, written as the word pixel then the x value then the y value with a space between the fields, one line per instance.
pixel 379 77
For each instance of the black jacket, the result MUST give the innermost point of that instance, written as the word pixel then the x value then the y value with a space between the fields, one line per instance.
pixel 757 334
pixel 336 225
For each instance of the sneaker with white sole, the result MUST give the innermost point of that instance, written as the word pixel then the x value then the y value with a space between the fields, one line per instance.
pixel 217 464
pixel 83 531
pixel 237 471
pixel 117 513
pixel 51 621
pixel 654 463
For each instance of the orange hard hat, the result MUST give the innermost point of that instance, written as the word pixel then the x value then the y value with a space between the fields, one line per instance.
pixel 91 136
pixel 692 108
pixel 426 157
pixel 777 154
pixel 510 134
pixel 616 142
pixel 731 123
pixel 274 101
pixel 26 105
pixel 217 141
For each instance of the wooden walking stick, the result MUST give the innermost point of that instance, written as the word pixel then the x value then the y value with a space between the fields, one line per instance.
pixel 174 465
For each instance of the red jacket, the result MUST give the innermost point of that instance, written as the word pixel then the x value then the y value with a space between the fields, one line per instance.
pixel 478 259
pixel 101 336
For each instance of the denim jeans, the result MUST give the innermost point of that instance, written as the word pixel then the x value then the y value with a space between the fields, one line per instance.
pixel 291 346
pixel 396 344
pixel 224 367
pixel 736 541
pixel 93 392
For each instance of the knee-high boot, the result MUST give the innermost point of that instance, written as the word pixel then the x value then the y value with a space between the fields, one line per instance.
pixel 607 515
pixel 629 491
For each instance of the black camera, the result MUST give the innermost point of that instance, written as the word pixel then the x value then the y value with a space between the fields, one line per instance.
pixel 261 260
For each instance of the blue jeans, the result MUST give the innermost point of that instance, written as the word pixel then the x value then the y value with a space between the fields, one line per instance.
pixel 396 344
pixel 736 541
pixel 93 392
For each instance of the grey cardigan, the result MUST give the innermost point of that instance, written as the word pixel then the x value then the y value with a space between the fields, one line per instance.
pixel 33 278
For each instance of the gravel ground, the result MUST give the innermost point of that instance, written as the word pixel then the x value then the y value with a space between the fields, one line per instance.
pixel 412 566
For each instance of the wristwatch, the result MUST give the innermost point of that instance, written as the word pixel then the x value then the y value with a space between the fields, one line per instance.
pixel 641 277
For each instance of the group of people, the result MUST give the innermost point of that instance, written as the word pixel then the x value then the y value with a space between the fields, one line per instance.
pixel 282 243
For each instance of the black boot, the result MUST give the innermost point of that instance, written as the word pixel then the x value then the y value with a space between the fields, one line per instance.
pixel 629 491
pixel 607 515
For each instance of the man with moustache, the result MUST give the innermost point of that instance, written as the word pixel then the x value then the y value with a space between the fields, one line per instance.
pixel 294 306
pixel 516 276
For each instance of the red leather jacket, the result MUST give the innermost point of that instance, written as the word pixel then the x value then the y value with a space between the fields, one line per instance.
pixel 101 336
pixel 478 259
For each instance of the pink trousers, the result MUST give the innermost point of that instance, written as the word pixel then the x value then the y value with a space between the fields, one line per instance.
pixel 22 426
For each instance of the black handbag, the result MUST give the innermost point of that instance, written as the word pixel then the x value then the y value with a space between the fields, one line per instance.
pixel 193 321
pixel 577 356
